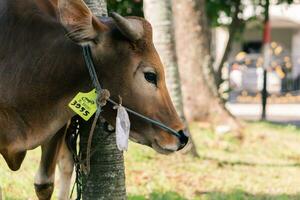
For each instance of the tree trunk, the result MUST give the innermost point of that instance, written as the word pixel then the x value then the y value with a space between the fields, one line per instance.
pixel 106 179
pixel 232 30
pixel 200 95
pixel 164 41
pixel 98 7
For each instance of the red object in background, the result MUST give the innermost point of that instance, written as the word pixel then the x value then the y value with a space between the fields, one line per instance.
pixel 267 33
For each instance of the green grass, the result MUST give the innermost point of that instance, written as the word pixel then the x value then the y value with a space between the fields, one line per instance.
pixel 265 165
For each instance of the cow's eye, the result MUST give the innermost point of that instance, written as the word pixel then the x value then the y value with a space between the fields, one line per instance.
pixel 151 77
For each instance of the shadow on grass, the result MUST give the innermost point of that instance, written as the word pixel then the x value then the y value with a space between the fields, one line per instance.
pixel 158 196
pixel 234 195
pixel 295 124
pixel 286 123
pixel 222 163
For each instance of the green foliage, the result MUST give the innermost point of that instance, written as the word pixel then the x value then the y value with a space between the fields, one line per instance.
pixel 230 13
pixel 285 1
pixel 217 9
pixel 126 7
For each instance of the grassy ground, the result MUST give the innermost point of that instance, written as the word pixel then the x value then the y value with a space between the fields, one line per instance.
pixel 264 166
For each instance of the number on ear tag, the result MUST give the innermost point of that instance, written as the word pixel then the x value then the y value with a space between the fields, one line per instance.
pixel 84 104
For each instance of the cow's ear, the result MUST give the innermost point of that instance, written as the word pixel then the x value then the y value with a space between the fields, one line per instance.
pixel 78 19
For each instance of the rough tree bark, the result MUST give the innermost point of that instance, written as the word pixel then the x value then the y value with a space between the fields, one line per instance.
pixel 200 95
pixel 106 179
pixel 164 41
pixel 98 7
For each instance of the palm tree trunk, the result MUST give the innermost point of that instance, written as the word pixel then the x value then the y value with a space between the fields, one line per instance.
pixel 106 179
pixel 98 7
pixel 164 41
pixel 200 94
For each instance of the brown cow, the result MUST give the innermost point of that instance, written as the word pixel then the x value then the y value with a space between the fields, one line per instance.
pixel 42 69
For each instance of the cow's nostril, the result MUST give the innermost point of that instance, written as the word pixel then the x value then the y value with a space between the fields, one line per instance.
pixel 184 139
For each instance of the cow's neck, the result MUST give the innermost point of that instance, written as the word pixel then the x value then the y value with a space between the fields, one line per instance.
pixel 50 59
pixel 41 70
pixel 40 67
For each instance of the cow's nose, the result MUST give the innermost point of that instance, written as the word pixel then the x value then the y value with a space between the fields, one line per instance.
pixel 183 138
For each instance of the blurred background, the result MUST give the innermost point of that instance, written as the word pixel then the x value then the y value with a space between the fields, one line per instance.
pixel 233 72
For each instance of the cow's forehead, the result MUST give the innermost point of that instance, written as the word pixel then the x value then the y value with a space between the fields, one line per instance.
pixel 149 50
pixel 145 44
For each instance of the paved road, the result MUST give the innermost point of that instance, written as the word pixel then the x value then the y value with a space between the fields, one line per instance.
pixel 281 113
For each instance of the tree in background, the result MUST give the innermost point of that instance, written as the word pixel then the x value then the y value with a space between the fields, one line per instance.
pixel 194 20
pixel 232 9
pixel 235 23
pixel 106 179
pixel 193 39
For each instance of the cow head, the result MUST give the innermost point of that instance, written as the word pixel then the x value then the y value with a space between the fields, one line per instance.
pixel 128 65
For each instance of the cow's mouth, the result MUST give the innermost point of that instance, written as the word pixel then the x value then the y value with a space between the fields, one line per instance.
pixel 135 137
pixel 155 145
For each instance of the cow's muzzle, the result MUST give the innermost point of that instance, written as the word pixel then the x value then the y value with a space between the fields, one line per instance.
pixel 183 139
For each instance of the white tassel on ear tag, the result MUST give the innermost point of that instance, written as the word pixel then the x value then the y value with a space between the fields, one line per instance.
pixel 122 128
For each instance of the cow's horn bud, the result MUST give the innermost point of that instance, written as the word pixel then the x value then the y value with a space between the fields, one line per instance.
pixel 131 28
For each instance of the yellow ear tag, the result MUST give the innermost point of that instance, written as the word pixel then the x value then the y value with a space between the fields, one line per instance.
pixel 84 104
